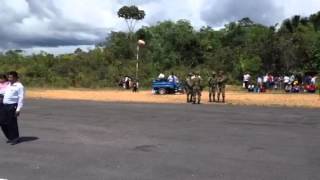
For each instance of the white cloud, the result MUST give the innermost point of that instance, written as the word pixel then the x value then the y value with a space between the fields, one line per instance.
pixel 53 23
pixel 13 11
pixel 217 12
pixel 57 50
pixel 298 7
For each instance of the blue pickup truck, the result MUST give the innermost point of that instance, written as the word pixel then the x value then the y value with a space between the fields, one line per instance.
pixel 165 87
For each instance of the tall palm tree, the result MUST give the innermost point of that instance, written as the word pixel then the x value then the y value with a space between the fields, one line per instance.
pixel 291 25
pixel 295 21
pixel 287 25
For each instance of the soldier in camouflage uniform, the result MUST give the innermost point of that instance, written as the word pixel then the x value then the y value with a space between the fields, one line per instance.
pixel 212 87
pixel 221 86
pixel 196 88
pixel 188 87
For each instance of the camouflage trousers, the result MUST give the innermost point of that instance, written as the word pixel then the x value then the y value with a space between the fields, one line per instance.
pixel 212 93
pixel 221 92
pixel 189 94
pixel 196 95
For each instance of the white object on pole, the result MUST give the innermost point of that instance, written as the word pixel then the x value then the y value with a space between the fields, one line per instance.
pixel 141 42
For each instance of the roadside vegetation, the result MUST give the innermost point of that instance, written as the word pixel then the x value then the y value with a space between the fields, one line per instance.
pixel 242 46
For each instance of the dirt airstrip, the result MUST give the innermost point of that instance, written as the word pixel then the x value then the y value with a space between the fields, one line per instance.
pixel 233 97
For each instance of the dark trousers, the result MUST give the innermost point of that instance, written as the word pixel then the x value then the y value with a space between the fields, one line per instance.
pixel 9 124
pixel 246 84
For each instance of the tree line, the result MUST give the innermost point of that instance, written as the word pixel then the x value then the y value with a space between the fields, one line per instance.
pixel 239 47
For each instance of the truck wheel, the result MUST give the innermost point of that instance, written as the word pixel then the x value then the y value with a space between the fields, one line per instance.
pixel 154 91
pixel 162 91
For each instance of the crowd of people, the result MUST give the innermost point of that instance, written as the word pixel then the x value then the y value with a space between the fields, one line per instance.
pixel 217 83
pixel 128 82
pixel 193 84
pixel 288 83
pixel 11 103
pixel 171 78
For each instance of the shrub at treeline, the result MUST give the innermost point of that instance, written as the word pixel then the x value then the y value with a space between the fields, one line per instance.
pixel 243 46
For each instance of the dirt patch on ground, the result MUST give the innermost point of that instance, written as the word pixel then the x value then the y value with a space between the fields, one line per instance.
pixel 233 97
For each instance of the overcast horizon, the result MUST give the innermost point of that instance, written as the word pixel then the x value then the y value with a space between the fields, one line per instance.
pixel 61 26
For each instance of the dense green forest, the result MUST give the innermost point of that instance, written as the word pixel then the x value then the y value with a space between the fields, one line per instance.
pixel 243 46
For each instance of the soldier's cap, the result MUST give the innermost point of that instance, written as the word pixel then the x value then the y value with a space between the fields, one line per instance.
pixel 190 74
pixel 197 73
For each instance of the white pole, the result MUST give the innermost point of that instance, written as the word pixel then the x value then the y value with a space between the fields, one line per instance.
pixel 137 65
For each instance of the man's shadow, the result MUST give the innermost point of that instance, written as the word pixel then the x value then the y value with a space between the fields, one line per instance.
pixel 27 139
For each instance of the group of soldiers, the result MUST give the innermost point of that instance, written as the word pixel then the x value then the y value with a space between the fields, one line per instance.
pixel 216 83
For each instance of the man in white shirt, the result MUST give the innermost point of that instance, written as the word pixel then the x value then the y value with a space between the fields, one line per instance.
pixel 314 80
pixel 246 80
pixel 286 81
pixel 259 81
pixel 13 102
pixel 265 81
pixel 291 79
pixel 173 78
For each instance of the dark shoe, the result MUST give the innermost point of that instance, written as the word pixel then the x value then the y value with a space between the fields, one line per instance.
pixel 15 141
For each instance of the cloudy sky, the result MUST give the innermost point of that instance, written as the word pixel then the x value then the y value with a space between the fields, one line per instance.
pixel 59 26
